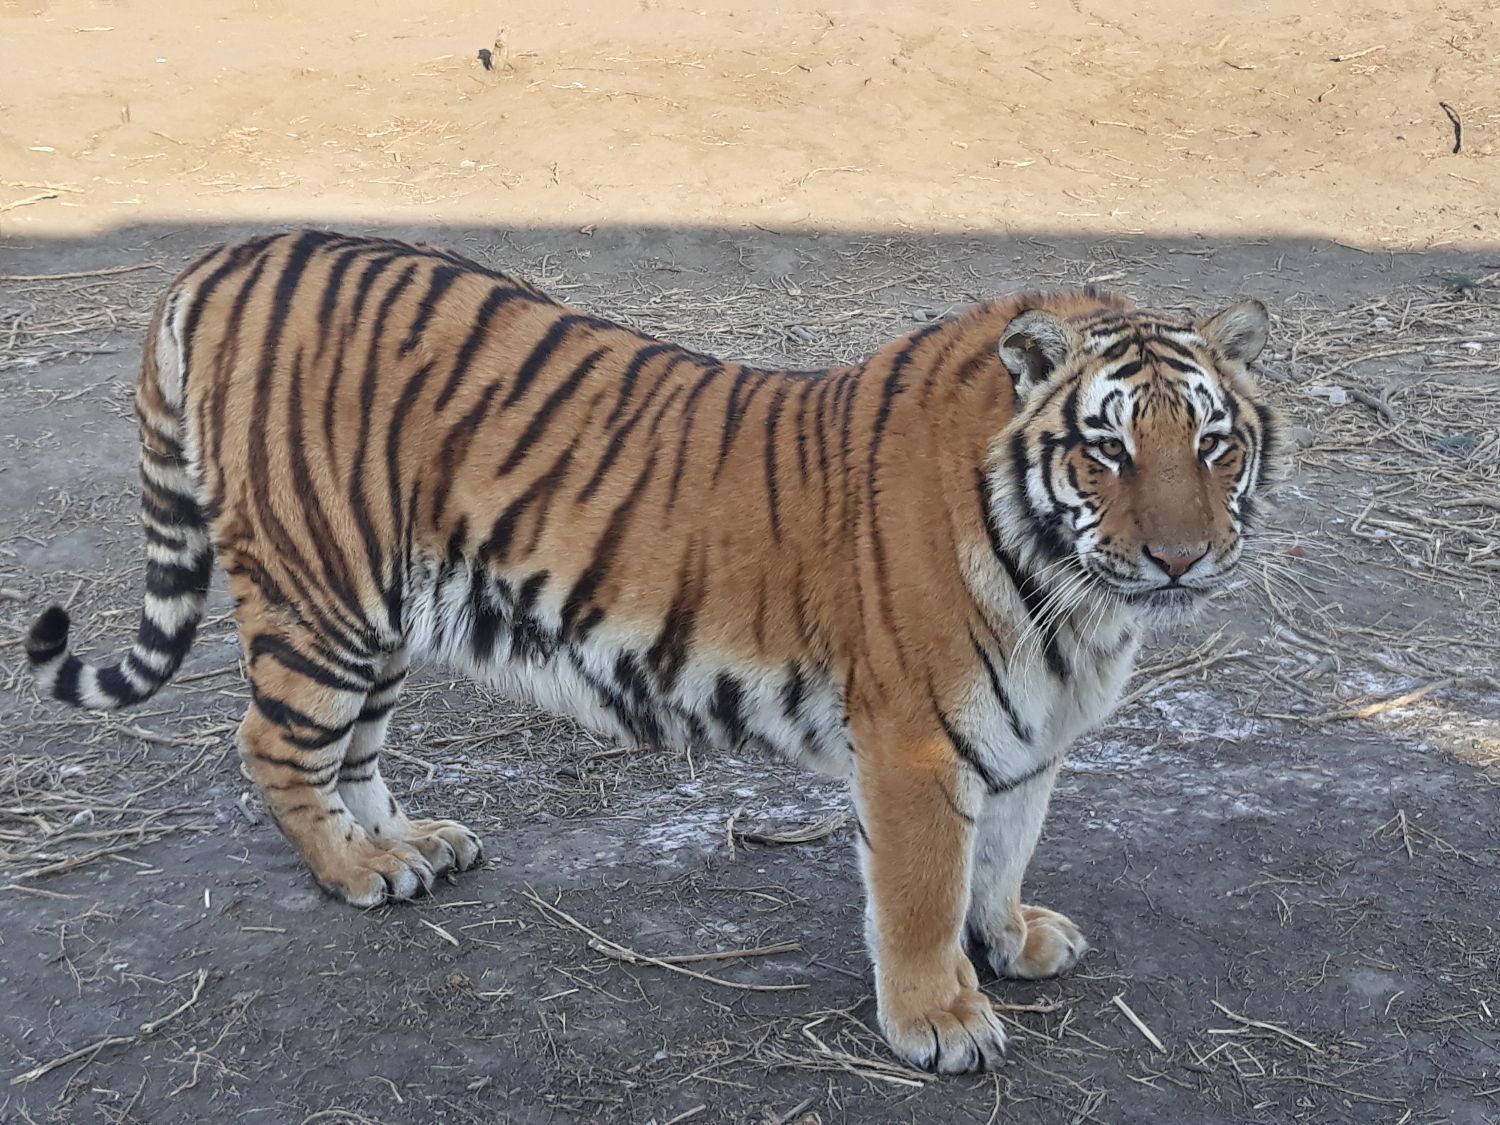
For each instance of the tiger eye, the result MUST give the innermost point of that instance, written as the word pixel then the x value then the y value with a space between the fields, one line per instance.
pixel 1113 448
pixel 1208 443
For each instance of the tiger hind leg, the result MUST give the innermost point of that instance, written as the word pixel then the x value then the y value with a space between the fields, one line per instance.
pixel 447 845
pixel 305 706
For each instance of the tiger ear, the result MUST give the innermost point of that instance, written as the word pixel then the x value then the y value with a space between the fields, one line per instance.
pixel 1239 332
pixel 1033 345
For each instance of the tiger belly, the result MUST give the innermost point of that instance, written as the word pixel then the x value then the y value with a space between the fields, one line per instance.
pixel 506 631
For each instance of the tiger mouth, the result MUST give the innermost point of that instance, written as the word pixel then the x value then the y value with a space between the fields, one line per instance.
pixel 1166 597
pixel 1157 597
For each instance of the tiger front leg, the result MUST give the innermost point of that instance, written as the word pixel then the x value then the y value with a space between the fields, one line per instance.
pixel 915 853
pixel 1003 934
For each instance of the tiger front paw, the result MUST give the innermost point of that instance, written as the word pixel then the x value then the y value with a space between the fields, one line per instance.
pixel 368 871
pixel 945 1024
pixel 446 844
pixel 1034 943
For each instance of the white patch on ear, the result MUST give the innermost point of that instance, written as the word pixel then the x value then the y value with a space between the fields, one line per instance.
pixel 1033 345
pixel 1239 332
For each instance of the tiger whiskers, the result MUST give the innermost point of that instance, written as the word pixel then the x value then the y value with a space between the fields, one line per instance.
pixel 1058 603
pixel 1106 603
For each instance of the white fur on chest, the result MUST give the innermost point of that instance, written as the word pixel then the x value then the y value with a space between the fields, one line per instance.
pixel 1045 712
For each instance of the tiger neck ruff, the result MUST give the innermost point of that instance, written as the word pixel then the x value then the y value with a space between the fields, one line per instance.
pixel 927 572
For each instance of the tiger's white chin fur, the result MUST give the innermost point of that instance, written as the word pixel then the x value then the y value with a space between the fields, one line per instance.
pixel 1168 605
pixel 1155 605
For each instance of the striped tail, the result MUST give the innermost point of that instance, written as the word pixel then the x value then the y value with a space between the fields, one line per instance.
pixel 179 555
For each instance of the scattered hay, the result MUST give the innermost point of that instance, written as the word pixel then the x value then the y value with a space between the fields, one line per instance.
pixel 1397 490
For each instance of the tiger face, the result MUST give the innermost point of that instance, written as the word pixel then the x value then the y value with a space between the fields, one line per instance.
pixel 1138 450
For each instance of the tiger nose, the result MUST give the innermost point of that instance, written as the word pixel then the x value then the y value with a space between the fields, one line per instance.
pixel 1175 562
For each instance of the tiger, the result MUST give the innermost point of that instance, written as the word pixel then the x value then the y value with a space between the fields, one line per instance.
pixel 926 573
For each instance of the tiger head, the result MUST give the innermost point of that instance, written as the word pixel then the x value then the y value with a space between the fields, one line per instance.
pixel 1138 450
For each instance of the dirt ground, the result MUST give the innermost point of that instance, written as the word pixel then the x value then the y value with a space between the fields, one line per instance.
pixel 1283 847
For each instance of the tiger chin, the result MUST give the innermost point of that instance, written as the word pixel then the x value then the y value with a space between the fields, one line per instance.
pixel 928 572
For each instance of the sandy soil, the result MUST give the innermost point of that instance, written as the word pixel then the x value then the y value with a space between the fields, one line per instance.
pixel 1289 881
pixel 1119 118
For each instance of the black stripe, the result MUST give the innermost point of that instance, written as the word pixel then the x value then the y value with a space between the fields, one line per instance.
pixel 687 416
pixel 668 652
pixel 636 702
pixel 542 418
pixel 112 682
pixel 1029 775
pixel 234 258
pixel 1020 729
pixel 134 661
pixel 169 507
pixel 1031 597
pixel 639 724
pixel 494 300
pixel 1178 365
pixel 65 687
pixel 620 436
pixel 331 769
pixel 629 376
pixel 528 640
pixel 1152 340
pixel 792 692
pixel 967 752
pixel 386 684
pixel 609 544
pixel 453 449
pixel 168 456
pixel 380 567
pixel 1270 442
pixel 843 405
pixel 747 380
pixel 283 715
pixel 151 637
pixel 485 616
pixel 282 652
pixel 820 434
pixel 773 487
pixel 333 286
pixel 224 364
pixel 327 545
pixel 727 707
pixel 502 532
pixel 1046 536
pixel 171 580
pixel 161 539
pixel 893 386
pixel 354 322
pixel 438 283
pixel 541 353
pixel 953 804
pixel 799 425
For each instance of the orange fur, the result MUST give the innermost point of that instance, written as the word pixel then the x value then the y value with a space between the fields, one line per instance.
pixel 392 449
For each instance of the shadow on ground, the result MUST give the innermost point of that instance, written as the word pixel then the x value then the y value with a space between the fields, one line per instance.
pixel 1296 905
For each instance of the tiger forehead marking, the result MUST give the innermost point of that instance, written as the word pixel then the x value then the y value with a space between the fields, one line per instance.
pixel 926 572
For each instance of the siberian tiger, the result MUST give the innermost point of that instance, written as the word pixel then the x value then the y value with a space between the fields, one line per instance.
pixel 927 572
